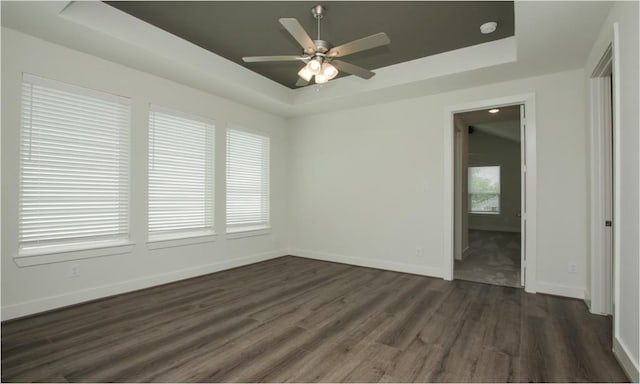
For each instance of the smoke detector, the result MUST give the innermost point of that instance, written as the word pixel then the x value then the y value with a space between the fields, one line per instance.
pixel 488 27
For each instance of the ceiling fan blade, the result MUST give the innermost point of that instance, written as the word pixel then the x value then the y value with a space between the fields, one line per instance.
pixel 257 59
pixel 298 33
pixel 301 82
pixel 352 69
pixel 373 41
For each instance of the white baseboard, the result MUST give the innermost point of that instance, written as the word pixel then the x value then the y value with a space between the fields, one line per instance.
pixel 621 352
pixel 48 303
pixel 369 263
pixel 595 307
pixel 560 290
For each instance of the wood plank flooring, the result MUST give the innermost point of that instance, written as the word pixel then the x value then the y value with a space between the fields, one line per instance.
pixel 297 320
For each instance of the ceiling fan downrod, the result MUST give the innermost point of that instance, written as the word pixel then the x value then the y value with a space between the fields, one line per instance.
pixel 318 13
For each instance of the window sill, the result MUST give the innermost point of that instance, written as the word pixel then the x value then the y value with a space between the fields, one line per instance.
pixel 484 213
pixel 179 242
pixel 60 254
pixel 248 233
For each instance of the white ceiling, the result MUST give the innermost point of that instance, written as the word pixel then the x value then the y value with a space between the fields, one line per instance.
pixel 508 130
pixel 550 36
pixel 504 124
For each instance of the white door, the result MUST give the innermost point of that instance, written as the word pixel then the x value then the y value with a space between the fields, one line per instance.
pixel 523 192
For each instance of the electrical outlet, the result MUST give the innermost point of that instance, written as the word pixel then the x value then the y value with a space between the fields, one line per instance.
pixel 573 268
pixel 74 270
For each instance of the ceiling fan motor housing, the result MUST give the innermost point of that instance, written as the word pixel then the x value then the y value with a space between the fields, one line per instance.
pixel 322 46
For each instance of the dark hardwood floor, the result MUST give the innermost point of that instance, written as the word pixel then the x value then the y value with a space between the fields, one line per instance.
pixel 297 320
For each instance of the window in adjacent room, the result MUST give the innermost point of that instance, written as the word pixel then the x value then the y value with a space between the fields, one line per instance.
pixel 247 181
pixel 181 175
pixel 484 190
pixel 74 168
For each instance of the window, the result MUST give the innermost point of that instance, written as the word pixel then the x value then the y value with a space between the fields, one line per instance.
pixel 181 175
pixel 484 190
pixel 74 168
pixel 247 181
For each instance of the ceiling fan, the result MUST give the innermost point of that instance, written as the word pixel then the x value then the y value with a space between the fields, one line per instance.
pixel 319 56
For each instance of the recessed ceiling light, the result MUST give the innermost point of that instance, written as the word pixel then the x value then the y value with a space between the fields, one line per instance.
pixel 489 27
pixel 494 110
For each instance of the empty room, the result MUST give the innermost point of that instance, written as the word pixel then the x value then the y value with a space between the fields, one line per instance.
pixel 339 191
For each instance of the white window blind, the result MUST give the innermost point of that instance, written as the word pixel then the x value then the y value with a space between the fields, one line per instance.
pixel 74 167
pixel 247 181
pixel 181 175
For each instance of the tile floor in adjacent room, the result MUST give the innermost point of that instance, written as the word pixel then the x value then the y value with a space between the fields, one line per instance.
pixel 493 258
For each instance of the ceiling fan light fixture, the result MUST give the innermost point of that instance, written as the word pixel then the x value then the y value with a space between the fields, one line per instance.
pixel 321 78
pixel 318 54
pixel 305 73
pixel 329 70
pixel 315 65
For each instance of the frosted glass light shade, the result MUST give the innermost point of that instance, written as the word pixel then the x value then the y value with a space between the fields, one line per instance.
pixel 329 70
pixel 321 78
pixel 305 73
pixel 315 65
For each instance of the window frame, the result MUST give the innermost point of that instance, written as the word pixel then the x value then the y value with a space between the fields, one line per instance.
pixel 470 194
pixel 184 237
pixel 230 231
pixel 80 249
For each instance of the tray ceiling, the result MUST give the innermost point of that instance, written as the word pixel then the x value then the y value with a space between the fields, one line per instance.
pixel 233 29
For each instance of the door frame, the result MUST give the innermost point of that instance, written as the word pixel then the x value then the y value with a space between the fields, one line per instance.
pixel 528 100
pixel 600 294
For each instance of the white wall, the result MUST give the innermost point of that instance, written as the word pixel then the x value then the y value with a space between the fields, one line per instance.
pixel 367 183
pixel 490 150
pixel 31 289
pixel 626 225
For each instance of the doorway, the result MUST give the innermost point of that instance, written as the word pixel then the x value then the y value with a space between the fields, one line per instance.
pixel 603 168
pixel 529 189
pixel 489 195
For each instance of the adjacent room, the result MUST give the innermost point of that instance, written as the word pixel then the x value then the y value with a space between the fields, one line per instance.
pixel 343 191
pixel 489 176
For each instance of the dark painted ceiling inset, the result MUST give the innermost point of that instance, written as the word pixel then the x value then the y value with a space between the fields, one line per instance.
pixel 233 29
